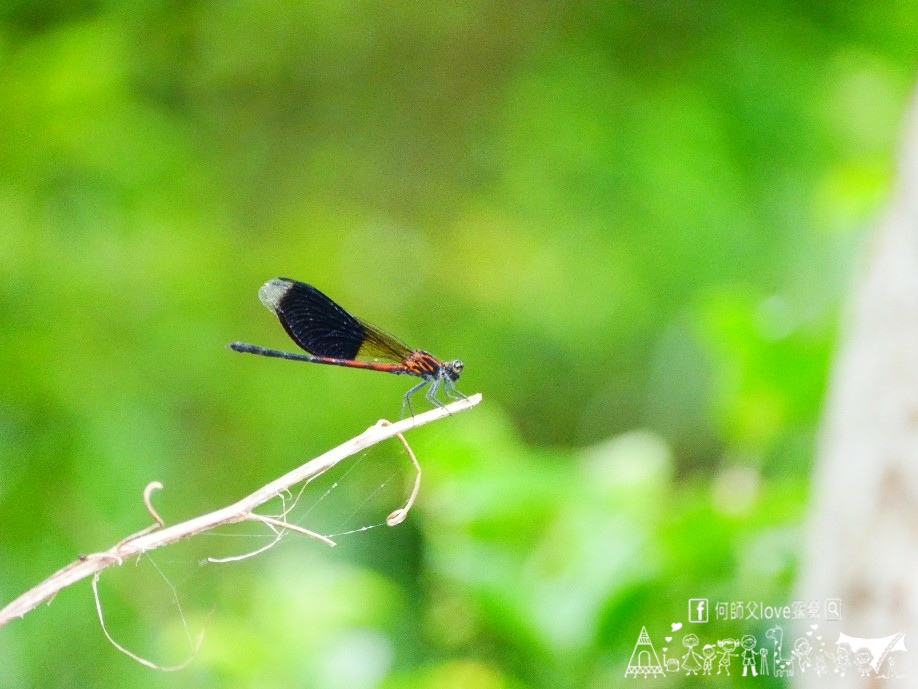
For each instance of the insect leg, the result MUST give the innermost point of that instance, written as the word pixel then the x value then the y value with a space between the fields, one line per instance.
pixel 450 388
pixel 407 398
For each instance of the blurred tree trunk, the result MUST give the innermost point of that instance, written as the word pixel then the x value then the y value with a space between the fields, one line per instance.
pixel 861 543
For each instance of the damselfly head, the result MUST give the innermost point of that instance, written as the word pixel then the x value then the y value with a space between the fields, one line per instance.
pixel 453 369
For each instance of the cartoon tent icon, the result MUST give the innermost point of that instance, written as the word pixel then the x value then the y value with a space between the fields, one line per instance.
pixel 880 647
pixel 644 659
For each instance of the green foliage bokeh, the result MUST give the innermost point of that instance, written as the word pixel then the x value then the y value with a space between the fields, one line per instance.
pixel 634 222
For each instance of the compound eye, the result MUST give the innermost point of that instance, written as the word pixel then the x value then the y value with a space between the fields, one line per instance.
pixel 454 369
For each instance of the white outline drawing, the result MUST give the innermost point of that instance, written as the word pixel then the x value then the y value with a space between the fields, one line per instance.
pixel 749 655
pixel 880 648
pixel 802 650
pixel 691 663
pixel 707 655
pixel 728 650
pixel 783 667
pixel 869 657
pixel 644 659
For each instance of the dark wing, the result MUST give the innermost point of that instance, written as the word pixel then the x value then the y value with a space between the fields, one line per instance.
pixel 322 328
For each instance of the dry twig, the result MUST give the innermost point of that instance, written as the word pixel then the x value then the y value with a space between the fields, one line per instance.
pixel 158 535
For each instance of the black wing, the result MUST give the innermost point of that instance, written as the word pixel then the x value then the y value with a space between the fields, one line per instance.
pixel 322 328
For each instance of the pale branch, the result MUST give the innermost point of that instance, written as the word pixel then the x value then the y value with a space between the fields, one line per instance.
pixel 158 535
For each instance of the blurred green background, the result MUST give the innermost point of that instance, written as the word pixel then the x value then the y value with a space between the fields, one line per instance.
pixel 634 222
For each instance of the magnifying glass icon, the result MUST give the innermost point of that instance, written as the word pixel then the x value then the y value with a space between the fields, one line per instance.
pixel 833 609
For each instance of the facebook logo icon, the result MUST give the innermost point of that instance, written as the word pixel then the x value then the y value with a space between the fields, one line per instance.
pixel 698 609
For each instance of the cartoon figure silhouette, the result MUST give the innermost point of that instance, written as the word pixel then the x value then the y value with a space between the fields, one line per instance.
pixel 862 660
pixel 821 668
pixel 763 662
pixel 749 654
pixel 842 660
pixel 801 652
pixel 707 654
pixel 727 651
pixel 690 662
